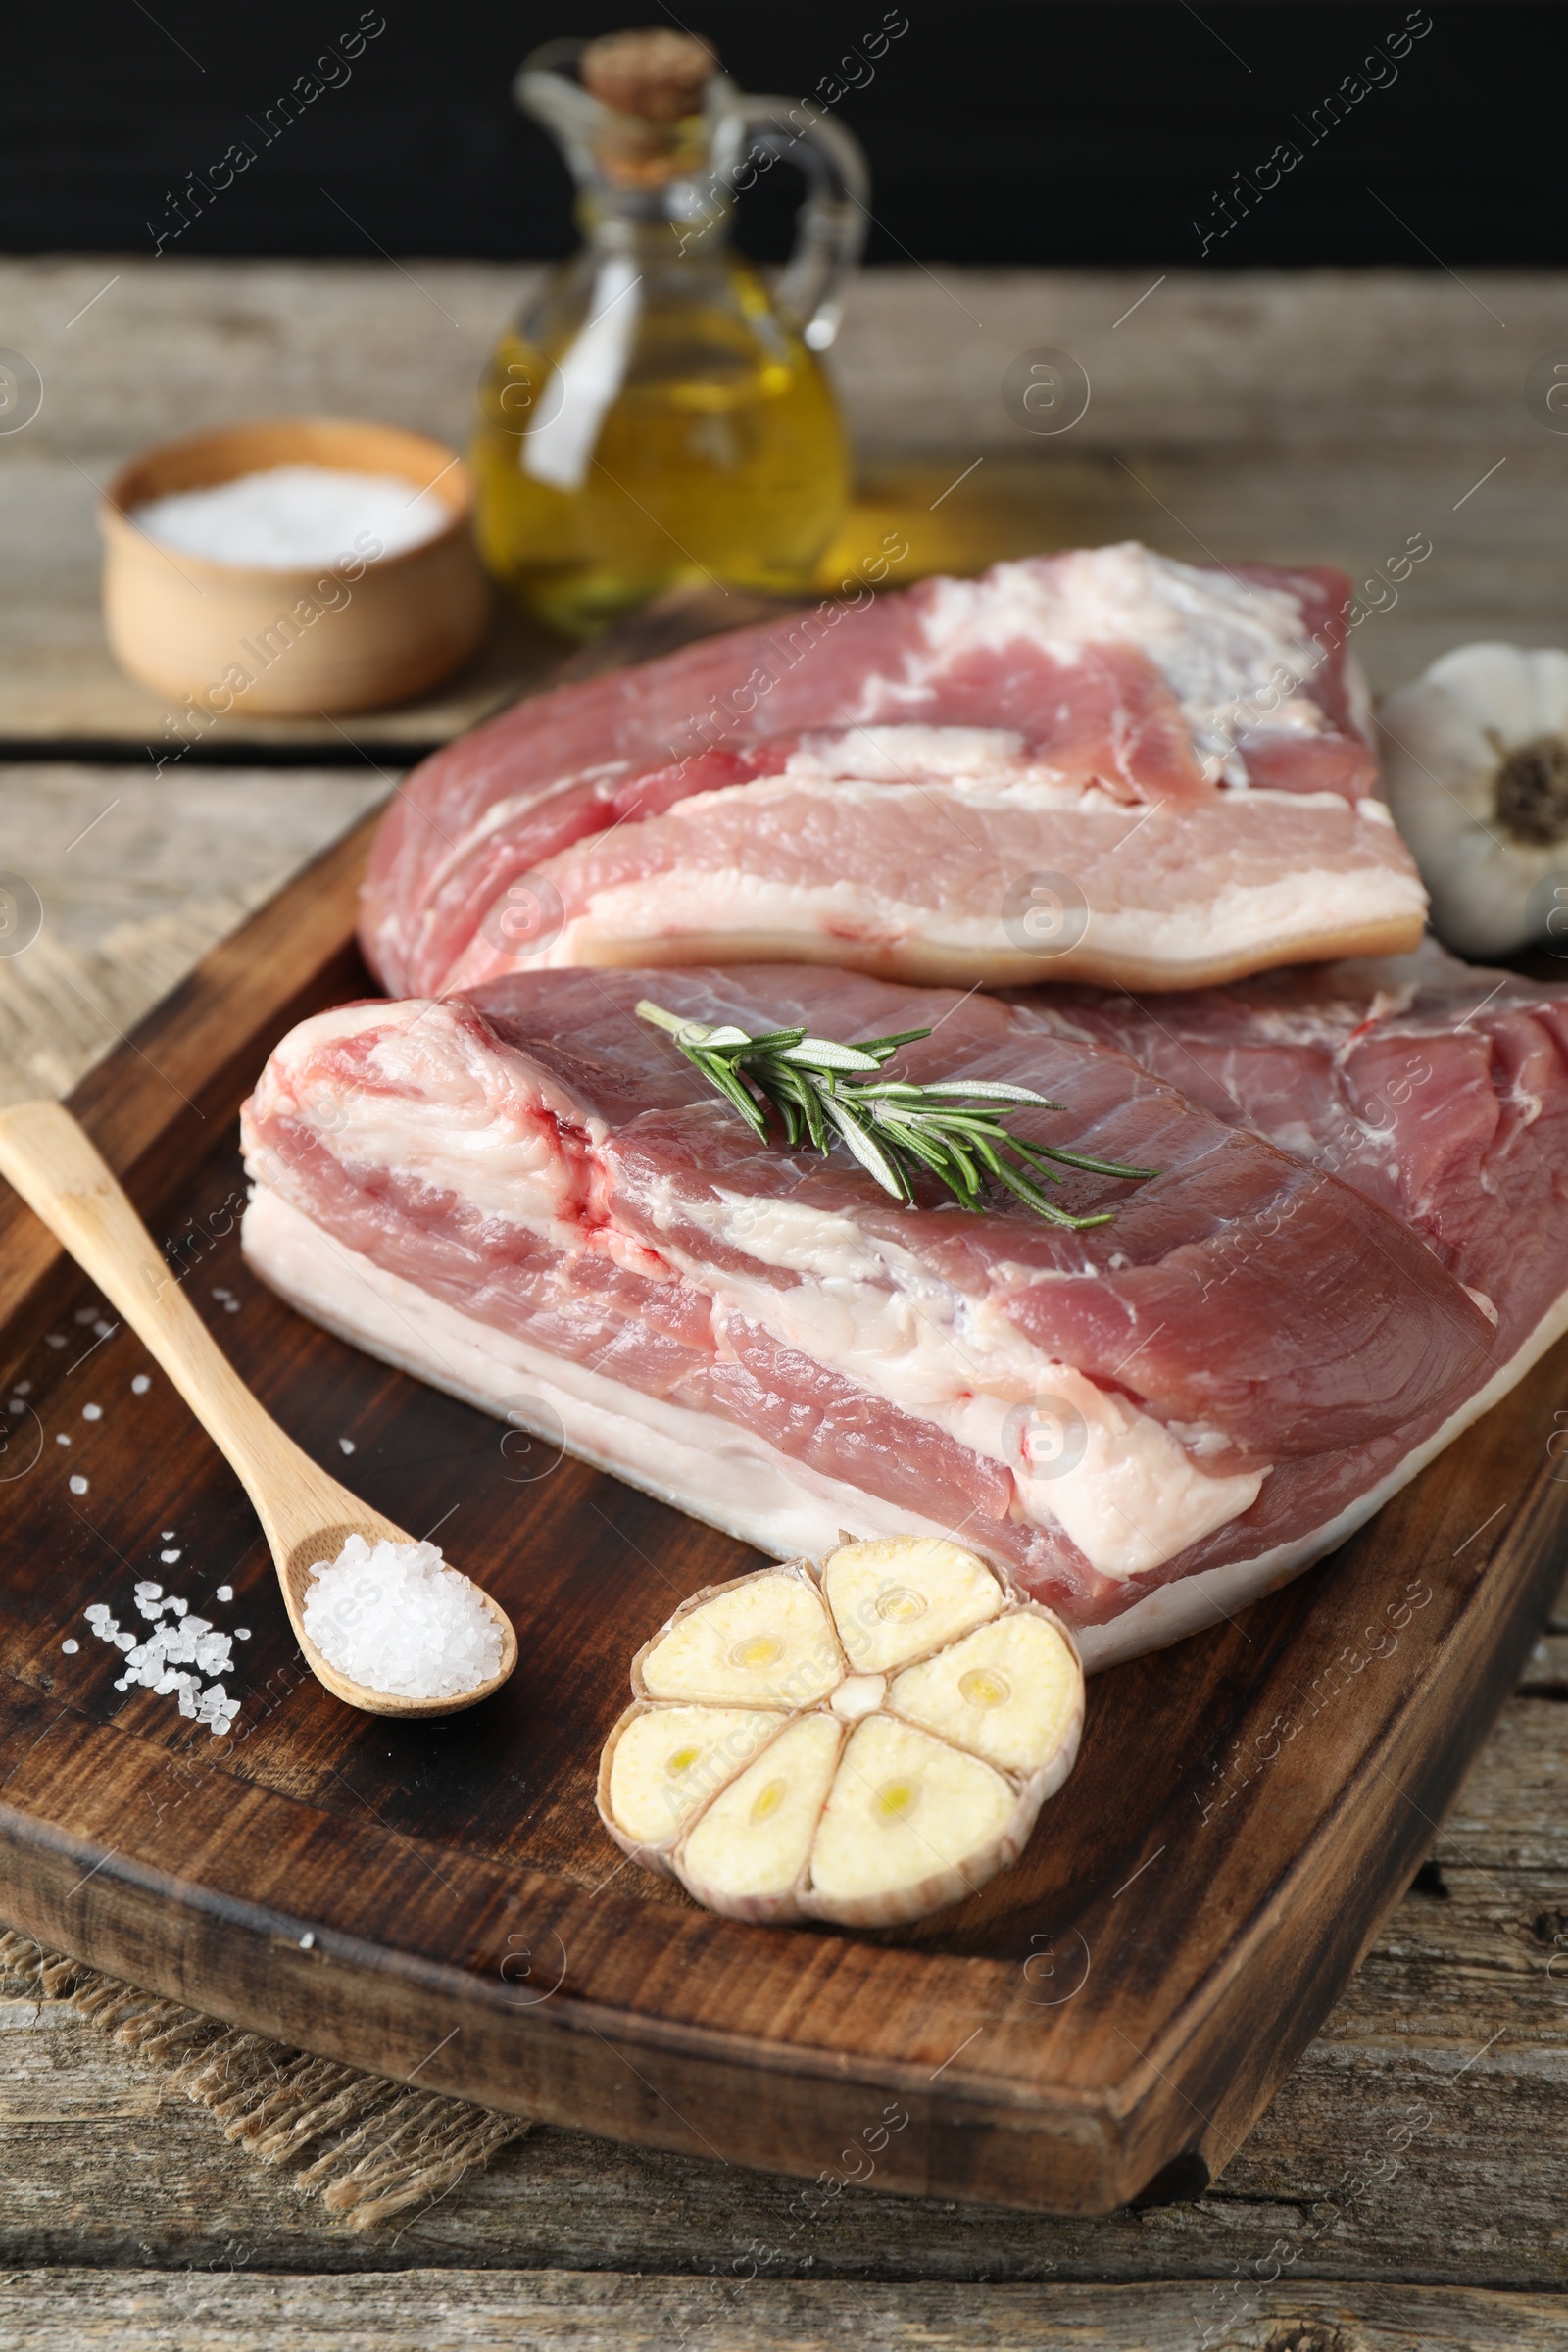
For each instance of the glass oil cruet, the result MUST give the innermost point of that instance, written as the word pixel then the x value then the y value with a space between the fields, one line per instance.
pixel 657 415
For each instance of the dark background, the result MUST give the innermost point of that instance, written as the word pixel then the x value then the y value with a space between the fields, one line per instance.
pixel 1000 131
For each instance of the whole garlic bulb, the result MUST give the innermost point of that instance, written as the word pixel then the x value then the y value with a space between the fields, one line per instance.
pixel 1475 764
pixel 865 1741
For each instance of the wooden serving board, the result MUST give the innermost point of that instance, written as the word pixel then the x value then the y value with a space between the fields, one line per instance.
pixel 438 1901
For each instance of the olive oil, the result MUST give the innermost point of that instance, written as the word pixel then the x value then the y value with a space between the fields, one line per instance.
pixel 656 417
pixel 721 457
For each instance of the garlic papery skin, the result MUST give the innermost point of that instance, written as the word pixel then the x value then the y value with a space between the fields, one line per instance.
pixel 1475 766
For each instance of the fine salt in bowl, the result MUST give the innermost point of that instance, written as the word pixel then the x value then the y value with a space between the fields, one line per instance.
pixel 272 642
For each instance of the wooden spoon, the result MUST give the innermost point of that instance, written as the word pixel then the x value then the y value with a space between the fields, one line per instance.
pixel 305 1516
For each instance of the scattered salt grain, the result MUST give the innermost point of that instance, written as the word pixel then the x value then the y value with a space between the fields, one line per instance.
pixel 242 1633
pixel 169 1557
pixel 54 1339
pixel 84 1315
pixel 231 1306
pixel 347 1445
pixel 162 1663
pixel 78 1486
pixel 17 1404
pixel 61 1438
pixel 225 1592
pixel 397 1619
pixel 92 1412
pixel 218 1293
pixel 306 1941
pixel 170 1534
pixel 71 1647
pixel 140 1384
pixel 23 1388
pixel 103 1328
pixel 285 517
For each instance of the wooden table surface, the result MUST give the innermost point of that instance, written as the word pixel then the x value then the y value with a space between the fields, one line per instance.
pixel 1406 2189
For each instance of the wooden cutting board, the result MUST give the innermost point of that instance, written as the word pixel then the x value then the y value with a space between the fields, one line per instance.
pixel 438 1902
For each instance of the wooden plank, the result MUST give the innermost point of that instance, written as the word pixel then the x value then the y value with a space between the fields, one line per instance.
pixel 137 880
pixel 1389 394
pixel 138 2310
pixel 102 2153
pixel 661 2019
pixel 1472 2197
pixel 1491 571
pixel 1316 416
pixel 1212 359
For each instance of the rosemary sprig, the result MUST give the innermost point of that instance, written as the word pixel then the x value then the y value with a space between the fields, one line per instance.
pixel 823 1093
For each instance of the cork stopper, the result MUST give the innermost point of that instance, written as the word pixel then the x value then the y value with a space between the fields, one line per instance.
pixel 654 75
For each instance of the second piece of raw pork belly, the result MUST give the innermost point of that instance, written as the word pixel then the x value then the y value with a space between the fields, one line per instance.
pixel 1103 765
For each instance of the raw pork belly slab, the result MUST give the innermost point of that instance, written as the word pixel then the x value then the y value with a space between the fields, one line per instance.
pixel 1104 766
pixel 530 1199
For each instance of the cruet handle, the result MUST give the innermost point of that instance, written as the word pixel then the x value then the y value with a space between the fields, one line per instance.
pixel 831 229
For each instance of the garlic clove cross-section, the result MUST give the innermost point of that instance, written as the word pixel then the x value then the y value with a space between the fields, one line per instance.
pixel 1008 1692
pixel 765 1640
pixel 864 1743
pixel 911 1823
pixel 750 1850
pixel 1475 764
pixel 902 1596
pixel 662 1764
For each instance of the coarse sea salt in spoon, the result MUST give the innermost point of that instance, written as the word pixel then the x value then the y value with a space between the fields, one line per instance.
pixel 396 1617
pixel 308 1519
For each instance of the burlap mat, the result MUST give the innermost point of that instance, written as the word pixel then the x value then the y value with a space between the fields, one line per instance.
pixel 366 2148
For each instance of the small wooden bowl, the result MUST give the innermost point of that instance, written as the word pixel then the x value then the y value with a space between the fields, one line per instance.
pixel 348 636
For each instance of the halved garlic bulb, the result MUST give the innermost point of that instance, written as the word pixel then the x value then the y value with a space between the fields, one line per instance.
pixel 1475 764
pixel 863 1743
